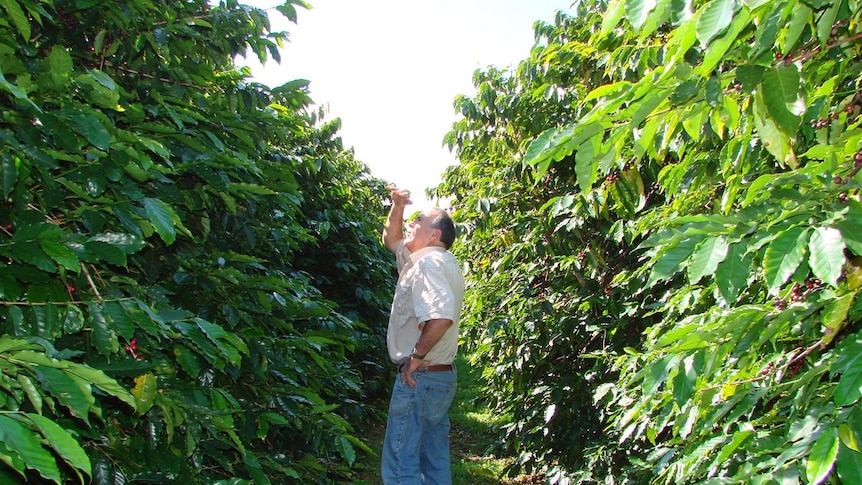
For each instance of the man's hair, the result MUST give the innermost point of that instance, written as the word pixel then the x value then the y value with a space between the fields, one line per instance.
pixel 444 222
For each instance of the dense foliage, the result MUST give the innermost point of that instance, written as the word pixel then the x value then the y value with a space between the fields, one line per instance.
pixel 665 237
pixel 190 261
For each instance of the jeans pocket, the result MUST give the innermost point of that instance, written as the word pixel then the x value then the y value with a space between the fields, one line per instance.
pixel 437 394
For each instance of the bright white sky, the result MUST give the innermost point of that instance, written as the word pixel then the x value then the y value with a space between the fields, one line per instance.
pixel 391 69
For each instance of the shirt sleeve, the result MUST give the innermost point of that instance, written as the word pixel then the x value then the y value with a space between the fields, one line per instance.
pixel 432 294
pixel 402 255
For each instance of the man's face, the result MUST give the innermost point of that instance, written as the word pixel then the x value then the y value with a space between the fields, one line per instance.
pixel 420 234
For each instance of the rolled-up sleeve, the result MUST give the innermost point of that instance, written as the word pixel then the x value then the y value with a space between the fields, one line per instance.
pixel 432 294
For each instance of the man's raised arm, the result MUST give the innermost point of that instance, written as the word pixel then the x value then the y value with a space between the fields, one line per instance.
pixel 393 230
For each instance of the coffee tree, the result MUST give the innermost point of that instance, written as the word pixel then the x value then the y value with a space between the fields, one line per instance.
pixel 189 259
pixel 664 216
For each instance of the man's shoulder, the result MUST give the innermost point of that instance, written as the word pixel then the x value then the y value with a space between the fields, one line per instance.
pixel 437 259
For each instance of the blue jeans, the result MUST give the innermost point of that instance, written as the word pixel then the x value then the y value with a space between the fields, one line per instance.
pixel 416 445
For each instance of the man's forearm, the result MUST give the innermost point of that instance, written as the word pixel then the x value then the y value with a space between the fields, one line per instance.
pixel 432 332
pixel 393 230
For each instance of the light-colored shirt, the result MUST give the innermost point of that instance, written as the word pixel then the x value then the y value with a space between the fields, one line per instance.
pixel 430 286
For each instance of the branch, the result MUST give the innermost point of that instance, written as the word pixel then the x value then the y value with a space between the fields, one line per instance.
pixel 780 371
pixel 90 281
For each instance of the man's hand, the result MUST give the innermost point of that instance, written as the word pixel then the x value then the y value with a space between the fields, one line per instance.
pixel 411 366
pixel 393 230
pixel 399 197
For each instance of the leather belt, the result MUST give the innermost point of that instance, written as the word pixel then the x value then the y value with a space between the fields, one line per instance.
pixel 430 368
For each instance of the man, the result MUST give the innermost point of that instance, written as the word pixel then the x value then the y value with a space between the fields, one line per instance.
pixel 422 339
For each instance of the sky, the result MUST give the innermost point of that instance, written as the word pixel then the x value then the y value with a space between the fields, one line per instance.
pixel 391 69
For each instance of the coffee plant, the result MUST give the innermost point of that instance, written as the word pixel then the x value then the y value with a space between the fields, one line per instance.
pixel 191 284
pixel 664 229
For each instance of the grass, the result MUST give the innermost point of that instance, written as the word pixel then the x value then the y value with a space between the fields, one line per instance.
pixel 475 429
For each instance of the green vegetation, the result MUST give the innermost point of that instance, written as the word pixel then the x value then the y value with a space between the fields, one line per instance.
pixel 190 281
pixel 663 212
pixel 661 218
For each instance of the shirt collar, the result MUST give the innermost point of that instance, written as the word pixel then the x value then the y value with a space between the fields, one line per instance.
pixel 422 252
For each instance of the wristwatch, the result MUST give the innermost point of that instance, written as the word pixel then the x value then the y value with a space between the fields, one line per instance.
pixel 414 355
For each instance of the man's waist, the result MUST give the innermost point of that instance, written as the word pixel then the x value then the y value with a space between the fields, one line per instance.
pixel 429 368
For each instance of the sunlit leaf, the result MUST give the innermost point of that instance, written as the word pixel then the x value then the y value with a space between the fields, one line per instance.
pixel 821 459
pixel 835 316
pixel 732 274
pixel 781 95
pixel 706 258
pixel 827 254
pixel 714 19
pixel 783 256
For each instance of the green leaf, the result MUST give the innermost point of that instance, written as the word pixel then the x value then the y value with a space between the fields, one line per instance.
pixel 103 336
pixel 104 251
pixel 64 389
pixel 345 449
pixel 26 445
pixel 119 319
pixel 684 382
pixel 669 260
pixel 88 126
pixel 240 188
pixel 732 274
pixel 781 95
pixel 32 253
pixel 103 79
pixel 128 243
pixel 63 443
pixel 657 373
pixel 714 19
pixel 848 437
pixel 613 14
pixel 32 392
pixel 849 465
pixel 739 437
pixel 706 258
pixel 8 173
pixel 101 380
pixel 163 218
pixel 586 164
pixel 60 61
pixel 826 22
pixel 827 254
pixel 835 316
pixel 60 253
pixel 851 227
pixel 783 255
pixel 217 335
pixel 18 17
pixel 822 457
pixel 776 141
pixel 637 11
pixel 145 391
pixel 849 365
pixel 749 76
